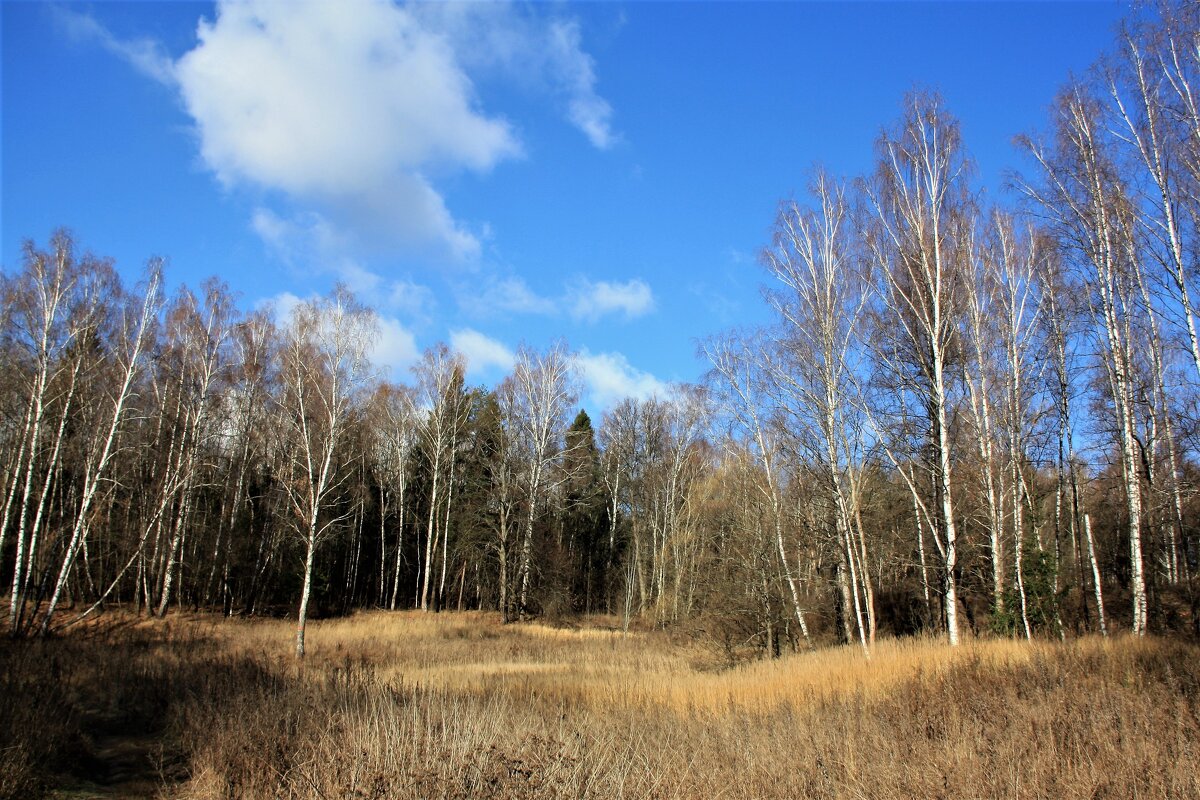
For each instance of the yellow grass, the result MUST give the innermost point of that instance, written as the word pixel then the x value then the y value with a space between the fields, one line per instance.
pixel 472 653
pixel 414 705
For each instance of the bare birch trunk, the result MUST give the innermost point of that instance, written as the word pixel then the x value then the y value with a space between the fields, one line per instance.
pixel 430 541
pixel 505 615
pixel 97 469
pixel 1086 194
pixel 1087 532
pixel 306 592
pixel 399 549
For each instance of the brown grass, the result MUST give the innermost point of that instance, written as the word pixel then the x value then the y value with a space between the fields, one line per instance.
pixel 414 705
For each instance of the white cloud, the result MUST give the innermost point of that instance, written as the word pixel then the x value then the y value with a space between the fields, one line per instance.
pixel 346 105
pixel 482 352
pixel 544 54
pixel 396 347
pixel 296 241
pixel 410 298
pixel 311 95
pixel 282 305
pixel 590 301
pixel 353 109
pixel 610 378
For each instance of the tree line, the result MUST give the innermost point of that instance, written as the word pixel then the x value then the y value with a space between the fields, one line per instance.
pixel 964 415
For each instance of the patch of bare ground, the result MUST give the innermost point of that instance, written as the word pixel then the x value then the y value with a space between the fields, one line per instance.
pixel 409 705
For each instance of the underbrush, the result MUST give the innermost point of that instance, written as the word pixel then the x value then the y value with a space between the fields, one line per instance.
pixel 457 706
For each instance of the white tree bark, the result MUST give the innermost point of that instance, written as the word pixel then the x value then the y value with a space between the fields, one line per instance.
pixel 137 333
pixel 820 305
pixel 440 376
pixel 535 400
pixel 325 367
pixel 1084 197
pixel 918 244
pixel 1091 546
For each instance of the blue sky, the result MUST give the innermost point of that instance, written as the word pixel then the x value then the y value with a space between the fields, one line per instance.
pixel 492 174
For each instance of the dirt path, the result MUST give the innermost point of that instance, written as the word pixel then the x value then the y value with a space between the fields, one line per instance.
pixel 120 763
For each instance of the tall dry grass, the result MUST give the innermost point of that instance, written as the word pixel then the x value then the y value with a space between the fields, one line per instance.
pixel 455 706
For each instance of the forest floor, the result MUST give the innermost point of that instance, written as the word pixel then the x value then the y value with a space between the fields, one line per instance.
pixel 413 705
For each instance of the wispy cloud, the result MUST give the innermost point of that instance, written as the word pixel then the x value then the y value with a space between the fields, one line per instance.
pixel 308 243
pixel 410 298
pixel 502 296
pixel 590 301
pixel 590 112
pixel 147 56
pixel 719 302
pixel 538 50
pixel 582 300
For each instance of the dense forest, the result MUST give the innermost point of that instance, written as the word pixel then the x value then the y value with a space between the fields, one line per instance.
pixel 968 416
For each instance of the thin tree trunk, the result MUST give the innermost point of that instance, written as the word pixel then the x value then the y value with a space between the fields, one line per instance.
pixel 503 578
pixel 17 472
pixel 306 593
pixel 462 579
pixel 1087 531
pixel 787 574
pixel 96 471
pixel 20 586
pixel 946 502
pixel 441 593
pixel 399 547
pixel 527 544
pixel 430 542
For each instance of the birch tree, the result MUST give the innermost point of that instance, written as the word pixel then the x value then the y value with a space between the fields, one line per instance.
pixel 56 312
pixel 245 414
pixel 198 335
pixel 819 296
pixel 618 437
pixel 740 382
pixel 1060 321
pixel 132 337
pixel 397 440
pixel 536 399
pixel 439 380
pixel 685 416
pixel 1082 197
pixel 918 239
pixel 982 366
pixel 1153 93
pixel 324 370
pixel 1010 262
pixel 1150 87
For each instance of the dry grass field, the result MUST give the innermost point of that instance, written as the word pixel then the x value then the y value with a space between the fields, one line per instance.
pixel 409 705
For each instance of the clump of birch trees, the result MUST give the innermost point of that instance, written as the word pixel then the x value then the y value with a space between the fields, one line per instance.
pixel 966 416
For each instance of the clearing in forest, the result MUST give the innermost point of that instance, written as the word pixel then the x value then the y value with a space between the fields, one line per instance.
pixel 458 705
